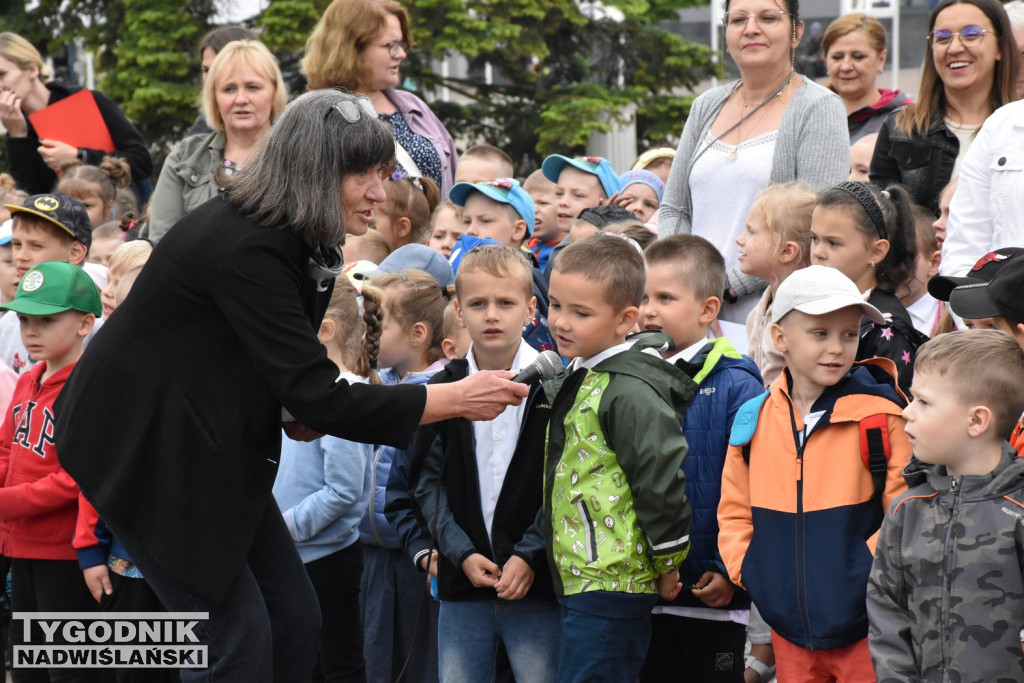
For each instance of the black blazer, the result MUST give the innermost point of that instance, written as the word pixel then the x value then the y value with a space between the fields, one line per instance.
pixel 171 421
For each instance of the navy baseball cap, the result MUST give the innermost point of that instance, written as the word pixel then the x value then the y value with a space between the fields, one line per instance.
pixel 599 166
pixel 501 190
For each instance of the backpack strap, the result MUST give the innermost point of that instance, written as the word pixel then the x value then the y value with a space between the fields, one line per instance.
pixel 875 452
pixel 745 423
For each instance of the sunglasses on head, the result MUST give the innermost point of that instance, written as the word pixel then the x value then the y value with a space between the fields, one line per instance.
pixel 352 109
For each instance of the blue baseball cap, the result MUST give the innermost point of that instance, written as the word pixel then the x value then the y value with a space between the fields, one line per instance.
pixel 502 190
pixel 643 177
pixel 553 165
pixel 411 257
pixel 5 231
pixel 465 245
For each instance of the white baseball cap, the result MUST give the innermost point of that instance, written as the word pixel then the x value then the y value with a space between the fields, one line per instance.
pixel 817 290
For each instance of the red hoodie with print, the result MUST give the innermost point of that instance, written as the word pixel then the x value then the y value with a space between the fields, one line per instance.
pixel 38 500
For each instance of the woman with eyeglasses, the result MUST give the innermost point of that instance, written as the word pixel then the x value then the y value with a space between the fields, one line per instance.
pixel 242 94
pixel 970 72
pixel 854 47
pixel 771 126
pixel 359 45
pixel 171 424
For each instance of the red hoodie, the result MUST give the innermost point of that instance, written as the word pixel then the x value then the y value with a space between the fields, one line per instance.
pixel 39 500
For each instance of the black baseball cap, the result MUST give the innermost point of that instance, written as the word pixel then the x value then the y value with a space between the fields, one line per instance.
pixel 1001 297
pixel 66 213
pixel 942 286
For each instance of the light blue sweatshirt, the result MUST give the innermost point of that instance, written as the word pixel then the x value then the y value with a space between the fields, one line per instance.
pixel 323 488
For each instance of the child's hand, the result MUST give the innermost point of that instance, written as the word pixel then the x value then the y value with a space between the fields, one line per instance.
pixel 516 579
pixel 669 586
pixel 428 563
pixel 714 589
pixel 97 580
pixel 480 571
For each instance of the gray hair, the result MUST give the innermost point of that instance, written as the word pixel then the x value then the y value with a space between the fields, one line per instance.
pixel 293 182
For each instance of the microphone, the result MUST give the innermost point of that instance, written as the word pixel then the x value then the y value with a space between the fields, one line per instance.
pixel 547 365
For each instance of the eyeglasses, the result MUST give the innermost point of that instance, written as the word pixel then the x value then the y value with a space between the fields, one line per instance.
pixel 766 18
pixel 351 110
pixel 396 47
pixel 969 35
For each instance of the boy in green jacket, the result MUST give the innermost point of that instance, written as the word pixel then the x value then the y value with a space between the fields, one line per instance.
pixel 614 499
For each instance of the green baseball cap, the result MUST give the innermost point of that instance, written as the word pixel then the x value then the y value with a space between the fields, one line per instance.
pixel 54 287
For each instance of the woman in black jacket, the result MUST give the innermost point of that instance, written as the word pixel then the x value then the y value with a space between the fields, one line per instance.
pixel 218 338
pixel 969 72
pixel 33 162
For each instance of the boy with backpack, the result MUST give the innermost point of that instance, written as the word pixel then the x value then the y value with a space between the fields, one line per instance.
pixel 812 466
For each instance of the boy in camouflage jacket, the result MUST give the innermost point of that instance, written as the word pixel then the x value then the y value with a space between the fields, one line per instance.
pixel 946 592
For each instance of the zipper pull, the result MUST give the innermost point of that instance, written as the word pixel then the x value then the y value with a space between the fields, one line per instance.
pixel 953 484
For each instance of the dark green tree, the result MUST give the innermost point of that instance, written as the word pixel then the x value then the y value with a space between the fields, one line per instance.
pixel 561 72
pixel 155 75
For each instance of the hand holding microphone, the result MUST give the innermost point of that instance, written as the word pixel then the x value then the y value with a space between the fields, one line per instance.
pixel 547 365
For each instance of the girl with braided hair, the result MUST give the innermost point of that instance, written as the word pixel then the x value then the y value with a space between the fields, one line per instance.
pixel 323 487
pixel 869 235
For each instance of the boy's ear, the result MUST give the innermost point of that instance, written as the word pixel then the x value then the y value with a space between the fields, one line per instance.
pixel 458 311
pixel 980 419
pixel 448 348
pixel 709 311
pixel 779 337
pixel 77 253
pixel 789 252
pixel 86 325
pixel 531 309
pixel 519 232
pixel 627 318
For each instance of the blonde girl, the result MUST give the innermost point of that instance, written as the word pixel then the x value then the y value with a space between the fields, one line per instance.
pixel 404 218
pixel 125 264
pixel 411 352
pixel 324 486
pixel 869 235
pixel 775 242
pixel 97 186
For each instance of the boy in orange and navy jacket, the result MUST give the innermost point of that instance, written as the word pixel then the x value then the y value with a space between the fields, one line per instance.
pixel 800 509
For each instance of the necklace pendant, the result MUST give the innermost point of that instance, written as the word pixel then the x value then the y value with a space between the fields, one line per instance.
pixel 732 153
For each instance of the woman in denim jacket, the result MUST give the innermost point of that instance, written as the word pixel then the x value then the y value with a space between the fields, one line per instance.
pixel 971 73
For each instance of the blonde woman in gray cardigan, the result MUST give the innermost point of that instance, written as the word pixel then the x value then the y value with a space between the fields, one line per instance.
pixel 772 126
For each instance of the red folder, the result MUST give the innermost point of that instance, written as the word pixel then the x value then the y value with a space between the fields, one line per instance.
pixel 76 121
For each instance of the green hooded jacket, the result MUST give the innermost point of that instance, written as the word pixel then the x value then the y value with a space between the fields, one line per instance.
pixel 614 500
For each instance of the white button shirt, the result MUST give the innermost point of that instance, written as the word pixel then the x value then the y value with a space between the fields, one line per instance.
pixel 496 440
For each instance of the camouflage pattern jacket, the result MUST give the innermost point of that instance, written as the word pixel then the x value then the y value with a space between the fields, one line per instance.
pixel 946 593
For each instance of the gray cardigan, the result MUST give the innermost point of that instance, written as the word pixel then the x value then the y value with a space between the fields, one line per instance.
pixel 186 181
pixel 812 147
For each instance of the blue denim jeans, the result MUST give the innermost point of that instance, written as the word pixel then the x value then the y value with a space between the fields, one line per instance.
pixel 468 633
pixel 601 649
